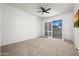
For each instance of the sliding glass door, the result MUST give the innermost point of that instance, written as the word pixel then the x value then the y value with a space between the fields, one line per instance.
pixel 48 29
pixel 57 29
pixel 54 29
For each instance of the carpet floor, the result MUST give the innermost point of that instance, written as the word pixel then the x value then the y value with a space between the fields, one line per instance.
pixel 40 47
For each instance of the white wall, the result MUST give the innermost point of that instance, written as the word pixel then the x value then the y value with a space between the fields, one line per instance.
pixel 76 30
pixel 67 24
pixel 18 25
pixel 0 20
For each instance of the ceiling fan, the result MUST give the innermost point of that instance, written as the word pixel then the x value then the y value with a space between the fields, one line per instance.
pixel 44 10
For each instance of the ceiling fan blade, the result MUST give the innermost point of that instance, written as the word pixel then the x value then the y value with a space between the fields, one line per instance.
pixel 46 12
pixel 42 8
pixel 47 9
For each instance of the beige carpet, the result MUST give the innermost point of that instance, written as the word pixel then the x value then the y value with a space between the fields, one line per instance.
pixel 40 47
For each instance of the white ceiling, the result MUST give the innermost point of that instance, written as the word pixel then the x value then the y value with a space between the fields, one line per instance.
pixel 32 8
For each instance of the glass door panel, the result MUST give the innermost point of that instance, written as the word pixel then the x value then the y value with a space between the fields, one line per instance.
pixel 57 29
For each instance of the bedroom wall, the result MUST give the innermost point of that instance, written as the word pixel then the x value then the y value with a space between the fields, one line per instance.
pixel 0 20
pixel 67 24
pixel 76 30
pixel 18 25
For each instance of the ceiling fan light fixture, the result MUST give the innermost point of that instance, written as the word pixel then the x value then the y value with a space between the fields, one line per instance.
pixel 44 10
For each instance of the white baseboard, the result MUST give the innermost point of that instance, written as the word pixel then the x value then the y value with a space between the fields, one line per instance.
pixel 18 41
